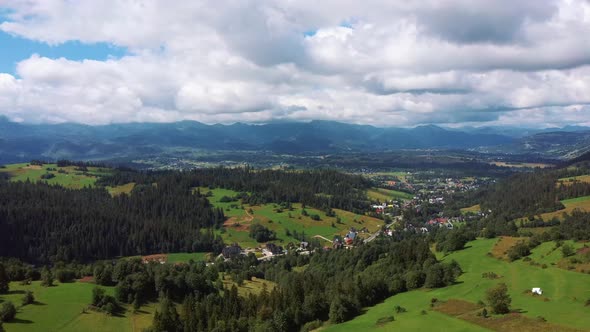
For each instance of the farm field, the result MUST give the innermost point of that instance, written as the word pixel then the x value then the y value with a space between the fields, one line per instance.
pixel 386 195
pixel 520 165
pixel 70 178
pixel 59 308
pixel 565 291
pixel 236 229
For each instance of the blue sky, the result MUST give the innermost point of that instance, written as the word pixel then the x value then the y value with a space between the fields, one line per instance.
pixel 15 49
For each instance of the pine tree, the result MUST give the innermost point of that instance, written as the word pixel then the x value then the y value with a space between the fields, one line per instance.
pixel 46 277
pixel 4 281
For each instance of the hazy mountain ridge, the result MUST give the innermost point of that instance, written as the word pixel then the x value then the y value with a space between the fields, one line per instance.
pixel 22 142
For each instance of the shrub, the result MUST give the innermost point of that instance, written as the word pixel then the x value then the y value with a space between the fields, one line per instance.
pixel 261 233
pixel 310 326
pixel 398 309
pixel 384 320
pixel 567 250
pixel 7 311
pixel 28 298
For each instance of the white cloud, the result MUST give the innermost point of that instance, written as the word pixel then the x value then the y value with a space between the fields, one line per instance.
pixel 378 62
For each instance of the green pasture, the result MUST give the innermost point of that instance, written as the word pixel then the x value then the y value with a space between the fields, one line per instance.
pixel 60 308
pixel 386 195
pixel 563 300
pixel 71 178
pixel 281 220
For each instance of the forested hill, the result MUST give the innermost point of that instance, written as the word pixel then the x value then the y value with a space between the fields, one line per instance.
pixel 163 213
pixel 531 194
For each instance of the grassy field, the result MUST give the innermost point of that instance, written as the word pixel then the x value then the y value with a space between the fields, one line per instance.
pixel 471 209
pixel 582 203
pixel 269 215
pixel 520 165
pixel 253 286
pixel 550 254
pixel 123 189
pixel 184 257
pixel 565 291
pixel 502 245
pixel 386 195
pixel 402 176
pixel 69 178
pixel 572 179
pixel 59 308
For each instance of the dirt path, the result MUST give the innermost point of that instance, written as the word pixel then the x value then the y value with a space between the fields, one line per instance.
pixel 321 237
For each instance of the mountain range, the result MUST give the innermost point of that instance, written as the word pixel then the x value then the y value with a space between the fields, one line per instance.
pixel 23 142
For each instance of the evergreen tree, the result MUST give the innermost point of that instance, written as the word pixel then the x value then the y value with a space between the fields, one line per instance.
pixel 28 298
pixel 498 298
pixel 7 311
pixel 46 277
pixel 4 281
pixel 167 319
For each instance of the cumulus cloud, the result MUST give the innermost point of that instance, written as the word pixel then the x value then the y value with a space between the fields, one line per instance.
pixel 378 62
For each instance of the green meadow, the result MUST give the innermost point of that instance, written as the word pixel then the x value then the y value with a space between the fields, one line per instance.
pixel 471 209
pixel 386 195
pixel 236 228
pixel 562 303
pixel 581 203
pixel 60 308
pixel 184 257
pixel 69 177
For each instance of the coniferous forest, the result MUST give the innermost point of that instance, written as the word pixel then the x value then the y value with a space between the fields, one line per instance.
pixel 71 234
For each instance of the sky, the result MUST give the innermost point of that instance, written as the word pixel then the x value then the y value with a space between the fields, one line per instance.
pixel 385 63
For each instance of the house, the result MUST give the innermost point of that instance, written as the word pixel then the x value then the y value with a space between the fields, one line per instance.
pixel 438 221
pixel 231 251
pixel 537 291
pixel 337 243
pixel 161 258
